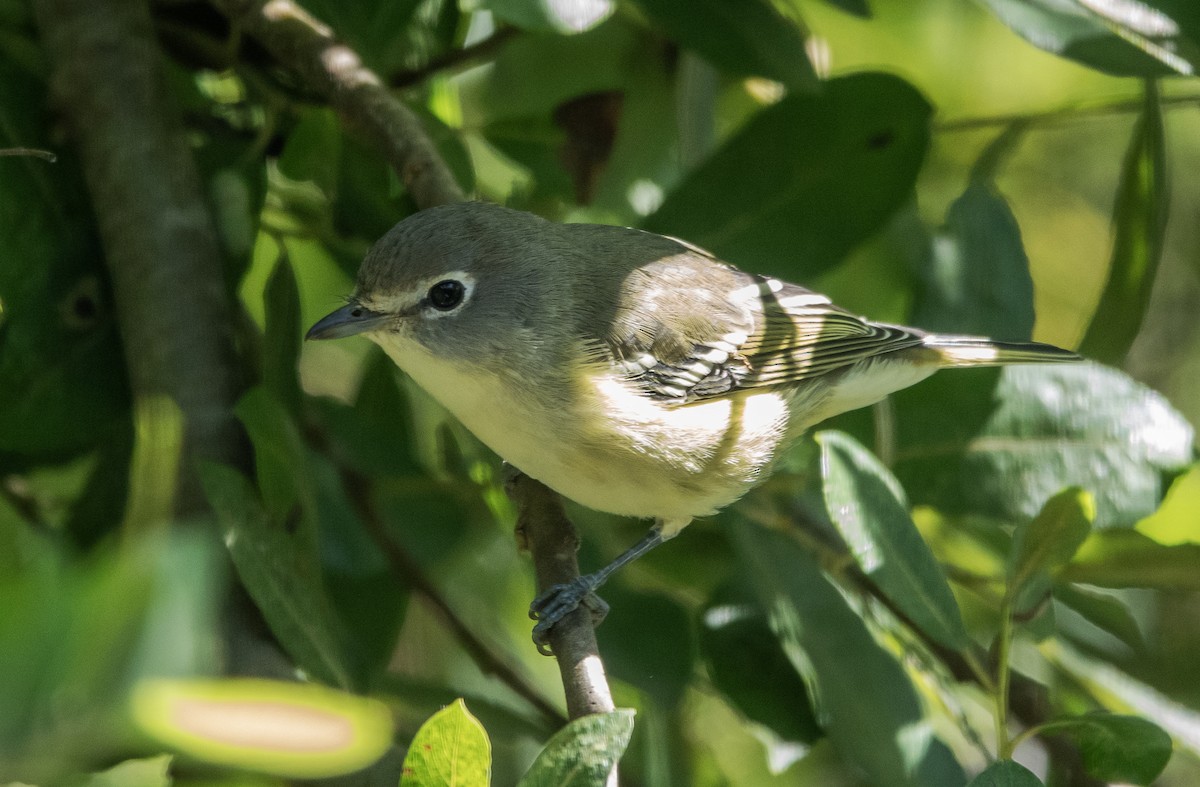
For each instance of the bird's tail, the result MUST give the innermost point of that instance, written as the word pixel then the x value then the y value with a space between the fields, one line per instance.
pixel 958 351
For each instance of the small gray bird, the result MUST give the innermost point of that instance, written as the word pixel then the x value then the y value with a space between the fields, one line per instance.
pixel 631 372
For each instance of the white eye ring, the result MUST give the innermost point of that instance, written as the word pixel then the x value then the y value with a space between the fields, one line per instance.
pixel 446 294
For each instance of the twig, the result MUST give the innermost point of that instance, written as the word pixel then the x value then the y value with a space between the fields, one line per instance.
pixel 333 70
pixel 1064 113
pixel 409 572
pixel 44 155
pixel 453 58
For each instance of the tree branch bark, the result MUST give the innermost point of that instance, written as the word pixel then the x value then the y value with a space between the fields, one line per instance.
pixel 160 243
pixel 310 50
pixel 363 102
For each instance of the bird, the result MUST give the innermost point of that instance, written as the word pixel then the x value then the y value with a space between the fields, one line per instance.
pixel 633 373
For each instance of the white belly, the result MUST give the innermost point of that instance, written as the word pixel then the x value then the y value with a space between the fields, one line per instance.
pixel 613 449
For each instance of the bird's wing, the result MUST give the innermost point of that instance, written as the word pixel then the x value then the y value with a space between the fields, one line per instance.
pixel 691 343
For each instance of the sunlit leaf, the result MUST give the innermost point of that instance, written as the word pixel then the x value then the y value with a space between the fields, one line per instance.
pixel 557 16
pixel 450 748
pixel 1119 691
pixel 1176 522
pixel 1003 452
pixel 150 772
pixel 1140 222
pixel 1134 38
pixel 1128 559
pixel 582 753
pixel 866 504
pixel 290 729
pixel 1114 748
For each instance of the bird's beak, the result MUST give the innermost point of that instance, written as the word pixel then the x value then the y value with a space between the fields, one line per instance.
pixel 349 320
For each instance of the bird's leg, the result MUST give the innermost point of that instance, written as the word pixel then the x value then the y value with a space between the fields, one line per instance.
pixel 556 602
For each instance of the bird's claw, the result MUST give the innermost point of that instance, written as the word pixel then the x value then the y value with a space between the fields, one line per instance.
pixel 558 601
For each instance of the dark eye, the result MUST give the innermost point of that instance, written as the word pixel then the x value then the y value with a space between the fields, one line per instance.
pixel 445 295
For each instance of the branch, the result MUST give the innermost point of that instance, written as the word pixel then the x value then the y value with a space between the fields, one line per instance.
pixel 412 575
pixel 333 70
pixel 543 524
pixel 160 242
pixel 309 49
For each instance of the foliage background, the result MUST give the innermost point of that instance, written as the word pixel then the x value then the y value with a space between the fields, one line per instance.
pixel 921 163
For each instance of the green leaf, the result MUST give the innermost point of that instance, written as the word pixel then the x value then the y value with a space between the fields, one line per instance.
pixel 288 729
pixel 63 387
pixel 663 671
pixel 1042 545
pixel 281 340
pixel 1004 452
pixel 451 749
pixel 741 37
pixel 1140 222
pixel 841 163
pixel 279 575
pixel 1103 610
pixel 856 7
pixel 1119 691
pixel 1175 521
pixel 1124 39
pixel 1128 559
pixel 866 504
pixel 748 665
pixel 874 715
pixel 1005 773
pixel 582 753
pixel 148 772
pixel 976 277
pixel 1127 749
pixel 551 16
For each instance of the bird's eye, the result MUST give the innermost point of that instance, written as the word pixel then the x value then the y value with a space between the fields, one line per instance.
pixel 447 294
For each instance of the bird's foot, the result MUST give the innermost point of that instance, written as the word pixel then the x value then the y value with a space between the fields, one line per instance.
pixel 559 601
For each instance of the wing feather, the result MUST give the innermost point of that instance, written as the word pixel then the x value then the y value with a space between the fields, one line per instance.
pixel 763 333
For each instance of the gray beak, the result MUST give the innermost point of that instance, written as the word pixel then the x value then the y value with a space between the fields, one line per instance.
pixel 349 320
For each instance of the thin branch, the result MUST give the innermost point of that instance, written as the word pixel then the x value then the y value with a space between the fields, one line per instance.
pixel 454 58
pixel 308 48
pixel 44 155
pixel 543 524
pixel 1056 115
pixel 410 573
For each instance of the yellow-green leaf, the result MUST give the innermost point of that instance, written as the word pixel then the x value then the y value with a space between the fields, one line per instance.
pixel 295 730
pixel 450 750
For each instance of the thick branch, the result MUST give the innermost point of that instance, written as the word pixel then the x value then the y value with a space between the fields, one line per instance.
pixel 309 49
pixel 160 243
